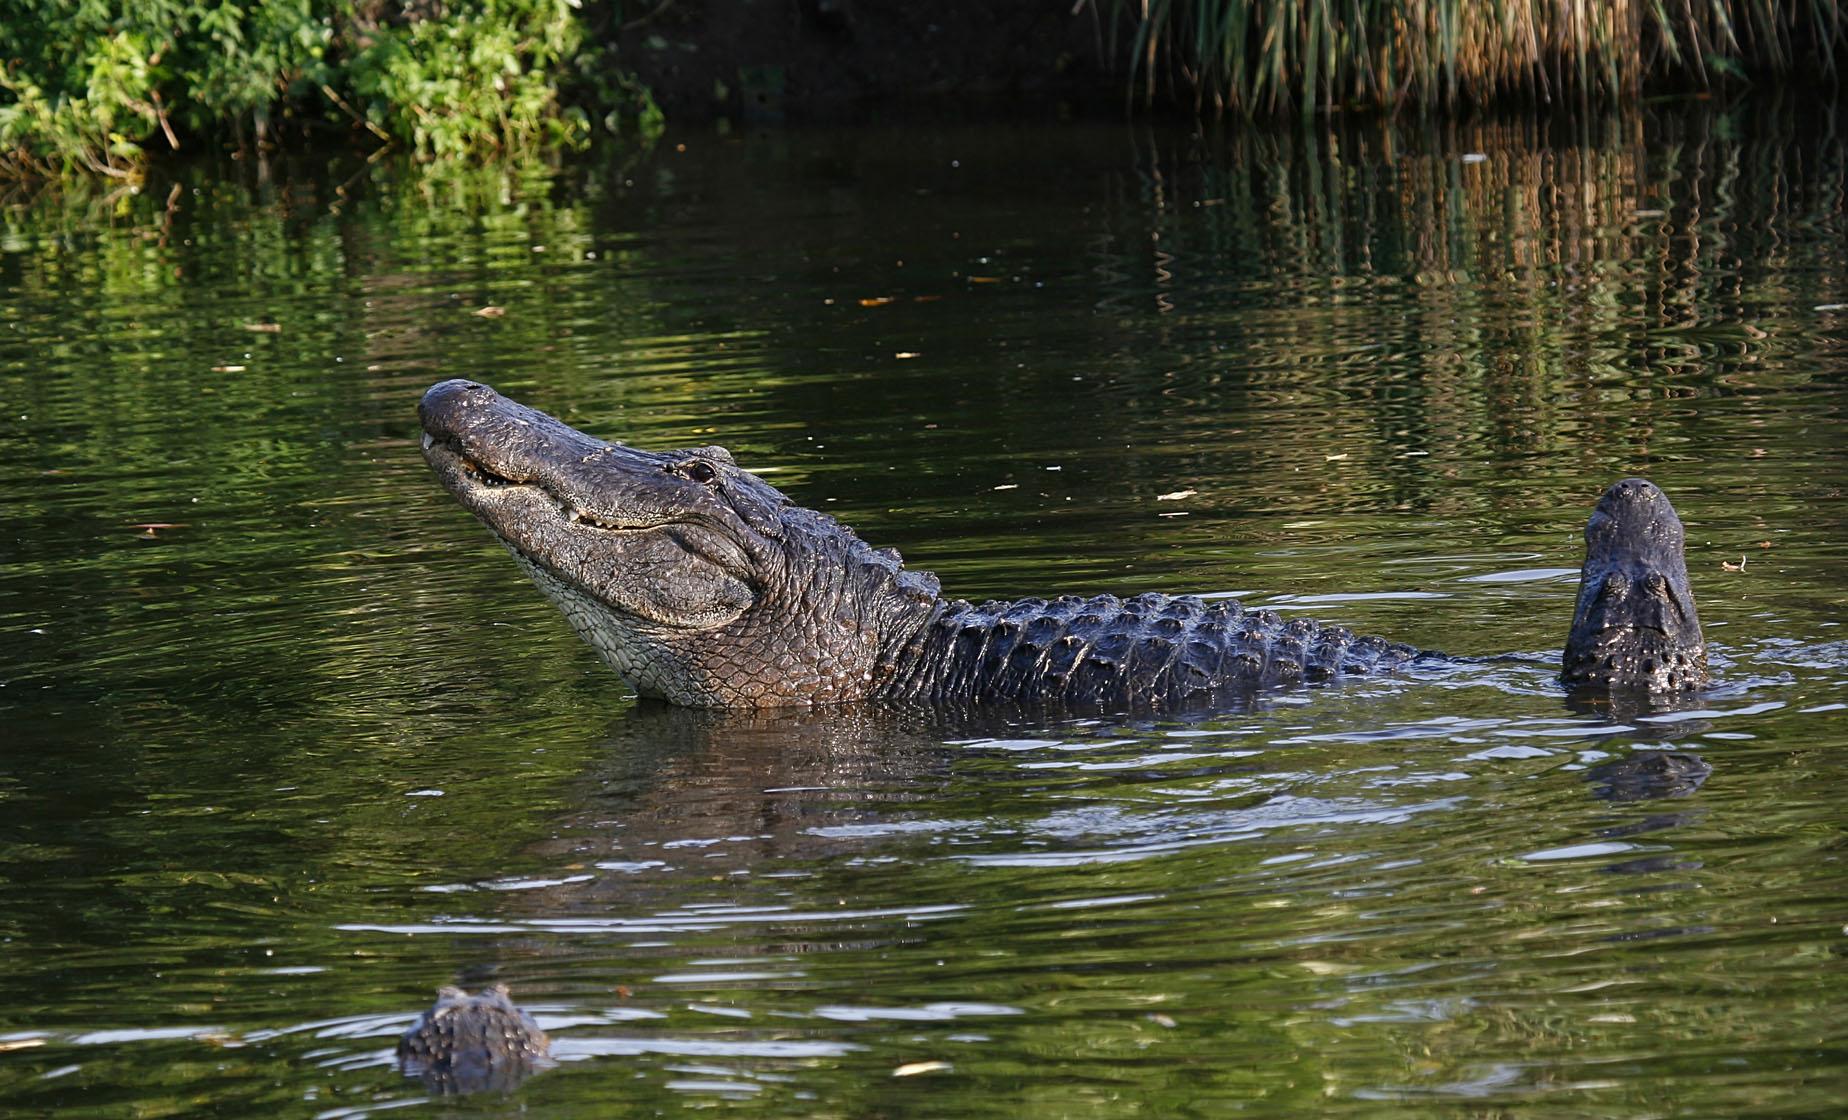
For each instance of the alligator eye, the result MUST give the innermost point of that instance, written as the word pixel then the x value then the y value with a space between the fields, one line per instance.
pixel 1656 584
pixel 1617 585
pixel 699 472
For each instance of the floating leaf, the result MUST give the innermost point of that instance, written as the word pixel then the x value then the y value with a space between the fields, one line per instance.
pixel 151 530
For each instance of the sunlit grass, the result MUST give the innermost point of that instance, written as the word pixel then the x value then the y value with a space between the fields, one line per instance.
pixel 1269 55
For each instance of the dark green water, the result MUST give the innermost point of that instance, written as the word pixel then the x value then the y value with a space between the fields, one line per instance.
pixel 274 772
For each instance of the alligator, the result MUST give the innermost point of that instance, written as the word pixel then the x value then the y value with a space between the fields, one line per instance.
pixel 468 1043
pixel 704 586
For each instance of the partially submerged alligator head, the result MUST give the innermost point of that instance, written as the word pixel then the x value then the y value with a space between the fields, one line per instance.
pixel 468 1043
pixel 1635 626
pixel 703 585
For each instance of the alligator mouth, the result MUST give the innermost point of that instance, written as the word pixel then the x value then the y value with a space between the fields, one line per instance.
pixel 485 477
pixel 473 481
pixel 462 471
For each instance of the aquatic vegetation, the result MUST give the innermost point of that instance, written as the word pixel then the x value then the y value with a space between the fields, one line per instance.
pixel 1266 55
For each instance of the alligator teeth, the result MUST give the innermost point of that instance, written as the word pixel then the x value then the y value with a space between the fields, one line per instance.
pixel 484 476
pixel 580 517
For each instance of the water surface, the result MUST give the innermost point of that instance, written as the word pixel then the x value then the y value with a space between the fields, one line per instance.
pixel 289 742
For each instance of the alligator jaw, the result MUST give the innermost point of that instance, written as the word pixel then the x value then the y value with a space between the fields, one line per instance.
pixel 492 453
pixel 471 483
pixel 1636 628
pixel 494 497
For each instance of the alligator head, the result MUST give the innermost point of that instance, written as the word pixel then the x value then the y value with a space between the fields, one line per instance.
pixel 468 1044
pixel 696 581
pixel 1635 628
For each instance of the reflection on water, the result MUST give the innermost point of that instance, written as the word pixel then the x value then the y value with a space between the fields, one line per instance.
pixel 289 743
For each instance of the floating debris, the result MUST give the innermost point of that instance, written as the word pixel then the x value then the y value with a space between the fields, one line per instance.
pixel 151 530
pixel 489 312
pixel 912 1069
pixel 1175 495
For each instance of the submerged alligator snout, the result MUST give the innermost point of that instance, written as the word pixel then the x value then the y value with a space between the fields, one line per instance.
pixel 703 585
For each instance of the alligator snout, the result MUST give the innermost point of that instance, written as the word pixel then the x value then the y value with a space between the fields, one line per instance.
pixel 445 403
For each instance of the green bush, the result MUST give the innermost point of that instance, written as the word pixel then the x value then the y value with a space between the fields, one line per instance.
pixel 484 78
pixel 91 85
pixel 87 85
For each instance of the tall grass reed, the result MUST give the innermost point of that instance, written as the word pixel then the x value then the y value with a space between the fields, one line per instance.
pixel 1256 56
